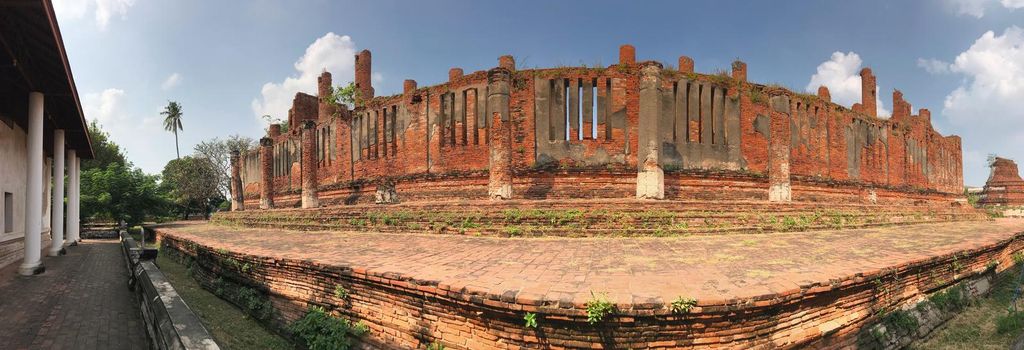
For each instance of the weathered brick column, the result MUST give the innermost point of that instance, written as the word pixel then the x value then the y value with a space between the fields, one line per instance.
pixel 266 173
pixel 779 189
pixel 650 178
pixel 499 186
pixel 237 198
pixel 309 166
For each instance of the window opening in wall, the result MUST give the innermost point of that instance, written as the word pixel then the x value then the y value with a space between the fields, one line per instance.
pixel 566 108
pixel 608 109
pixel 8 212
pixel 593 109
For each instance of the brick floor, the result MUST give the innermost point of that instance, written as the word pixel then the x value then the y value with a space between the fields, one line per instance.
pixel 704 267
pixel 80 302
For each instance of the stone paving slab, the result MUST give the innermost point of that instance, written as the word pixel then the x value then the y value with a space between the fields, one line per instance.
pixel 81 302
pixel 709 268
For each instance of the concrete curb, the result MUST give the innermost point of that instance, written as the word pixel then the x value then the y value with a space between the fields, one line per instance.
pixel 170 323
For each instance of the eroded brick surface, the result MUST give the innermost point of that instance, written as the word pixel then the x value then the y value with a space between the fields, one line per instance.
pixel 471 292
pixel 82 301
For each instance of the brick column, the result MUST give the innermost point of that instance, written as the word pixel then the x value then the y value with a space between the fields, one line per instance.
pixel 309 165
pixel 364 77
pixel 650 178
pixel 499 186
pixel 779 189
pixel 237 197
pixel 868 93
pixel 267 173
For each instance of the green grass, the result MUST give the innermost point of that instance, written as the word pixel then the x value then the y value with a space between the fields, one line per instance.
pixel 978 325
pixel 229 326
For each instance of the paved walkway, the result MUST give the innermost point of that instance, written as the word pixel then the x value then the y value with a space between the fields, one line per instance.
pixel 627 269
pixel 80 302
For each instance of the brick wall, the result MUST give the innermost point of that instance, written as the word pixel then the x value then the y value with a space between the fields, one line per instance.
pixel 588 118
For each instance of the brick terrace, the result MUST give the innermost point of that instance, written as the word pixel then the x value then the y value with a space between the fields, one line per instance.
pixel 706 268
pixel 81 302
pixel 811 283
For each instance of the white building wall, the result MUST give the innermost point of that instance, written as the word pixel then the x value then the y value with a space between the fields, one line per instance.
pixel 12 180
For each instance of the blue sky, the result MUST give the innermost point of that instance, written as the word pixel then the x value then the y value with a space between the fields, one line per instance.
pixel 227 62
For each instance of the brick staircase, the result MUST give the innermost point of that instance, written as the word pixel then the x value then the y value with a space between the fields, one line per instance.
pixel 588 218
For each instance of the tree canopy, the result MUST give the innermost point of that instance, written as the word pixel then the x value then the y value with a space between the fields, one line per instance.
pixel 193 185
pixel 114 189
pixel 218 152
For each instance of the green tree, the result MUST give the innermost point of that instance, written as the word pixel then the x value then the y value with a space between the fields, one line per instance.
pixel 218 152
pixel 104 150
pixel 344 95
pixel 192 183
pixel 121 192
pixel 172 122
pixel 114 189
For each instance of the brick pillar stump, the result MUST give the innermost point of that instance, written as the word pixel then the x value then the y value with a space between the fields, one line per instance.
pixel 309 166
pixel 237 199
pixel 650 178
pixel 499 185
pixel 779 189
pixel 266 173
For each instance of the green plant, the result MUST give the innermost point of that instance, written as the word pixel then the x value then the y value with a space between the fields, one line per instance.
pixel 951 299
pixel 1018 258
pixel 513 231
pixel 900 321
pixel 598 308
pixel 435 346
pixel 319 330
pixel 1010 323
pixel 340 292
pixel 531 320
pixel 683 305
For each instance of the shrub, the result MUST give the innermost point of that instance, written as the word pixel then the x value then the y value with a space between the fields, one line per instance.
pixel 598 307
pixel 319 330
pixel 683 305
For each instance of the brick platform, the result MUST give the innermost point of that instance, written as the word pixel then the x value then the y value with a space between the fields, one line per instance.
pixel 81 302
pixel 764 290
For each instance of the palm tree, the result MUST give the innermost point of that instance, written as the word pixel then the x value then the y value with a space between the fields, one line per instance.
pixel 172 122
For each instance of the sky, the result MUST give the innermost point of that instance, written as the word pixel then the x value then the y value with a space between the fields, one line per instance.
pixel 230 62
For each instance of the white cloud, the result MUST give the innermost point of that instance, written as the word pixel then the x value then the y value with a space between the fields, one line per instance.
pixel 933 66
pixel 841 74
pixel 332 52
pixel 1012 4
pixel 974 8
pixel 105 9
pixel 172 81
pixel 104 106
pixel 988 106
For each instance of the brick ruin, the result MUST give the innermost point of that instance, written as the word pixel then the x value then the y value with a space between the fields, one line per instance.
pixel 1004 186
pixel 634 129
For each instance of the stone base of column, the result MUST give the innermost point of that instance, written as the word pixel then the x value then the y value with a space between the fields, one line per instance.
pixel 780 192
pixel 499 191
pixel 60 252
pixel 310 200
pixel 266 204
pixel 872 197
pixel 386 194
pixel 650 184
pixel 31 270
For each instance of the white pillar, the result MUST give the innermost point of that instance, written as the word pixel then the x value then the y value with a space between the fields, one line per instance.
pixel 57 206
pixel 34 187
pixel 73 187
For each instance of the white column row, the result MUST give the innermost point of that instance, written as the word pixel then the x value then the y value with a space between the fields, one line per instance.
pixel 34 188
